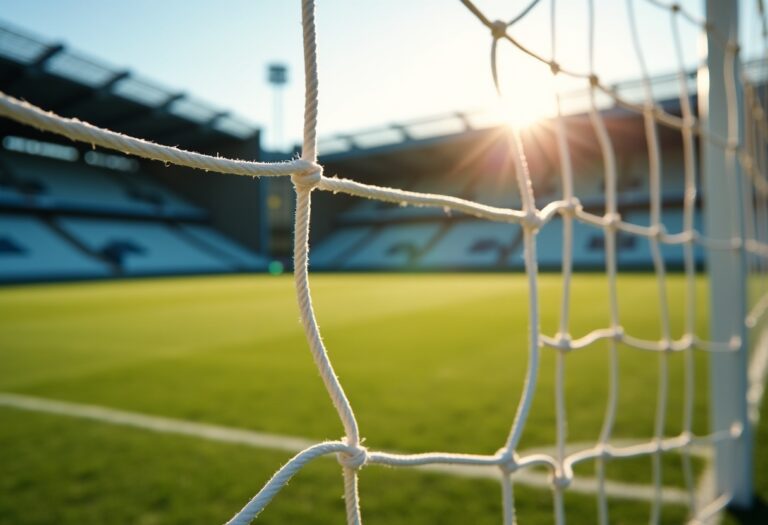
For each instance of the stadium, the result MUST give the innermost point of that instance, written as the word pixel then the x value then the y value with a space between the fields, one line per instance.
pixel 596 279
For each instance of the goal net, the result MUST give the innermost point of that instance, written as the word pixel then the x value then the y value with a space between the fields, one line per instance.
pixel 722 130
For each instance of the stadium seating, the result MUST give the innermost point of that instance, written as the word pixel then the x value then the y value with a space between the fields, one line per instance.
pixel 587 254
pixel 496 190
pixel 641 256
pixel 101 221
pixel 472 245
pixel 31 250
pixel 328 253
pixel 588 184
pixel 240 257
pixel 368 211
pixel 635 178
pixel 142 248
pixel 74 186
pixel 75 220
pixel 364 210
pixel 633 252
pixel 393 247
pixel 168 203
pixel 10 195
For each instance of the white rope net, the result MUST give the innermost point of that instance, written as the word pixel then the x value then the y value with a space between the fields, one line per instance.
pixel 745 150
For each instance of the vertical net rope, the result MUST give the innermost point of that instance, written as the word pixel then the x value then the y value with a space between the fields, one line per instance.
pixel 749 154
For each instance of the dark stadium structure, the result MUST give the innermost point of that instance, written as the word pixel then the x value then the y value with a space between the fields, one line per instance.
pixel 71 212
pixel 68 211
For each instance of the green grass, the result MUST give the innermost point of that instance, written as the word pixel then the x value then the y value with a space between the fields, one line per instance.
pixel 430 362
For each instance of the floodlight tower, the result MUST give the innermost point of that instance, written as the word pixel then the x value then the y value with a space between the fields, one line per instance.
pixel 278 77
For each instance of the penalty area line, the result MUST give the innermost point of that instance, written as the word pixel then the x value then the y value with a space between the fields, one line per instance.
pixel 293 444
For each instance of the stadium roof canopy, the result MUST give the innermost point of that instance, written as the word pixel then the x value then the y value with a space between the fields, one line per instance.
pixel 427 131
pixel 441 143
pixel 63 81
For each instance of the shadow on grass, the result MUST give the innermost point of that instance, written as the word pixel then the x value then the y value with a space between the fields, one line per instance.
pixel 757 515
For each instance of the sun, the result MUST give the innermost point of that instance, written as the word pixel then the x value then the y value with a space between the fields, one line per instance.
pixel 524 110
pixel 527 94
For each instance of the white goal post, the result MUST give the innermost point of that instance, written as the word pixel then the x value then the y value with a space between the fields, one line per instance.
pixel 731 130
pixel 720 106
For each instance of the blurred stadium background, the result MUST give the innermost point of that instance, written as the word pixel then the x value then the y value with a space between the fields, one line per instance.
pixel 183 348
pixel 71 212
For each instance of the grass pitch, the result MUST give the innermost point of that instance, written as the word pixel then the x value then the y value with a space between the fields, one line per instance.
pixel 430 362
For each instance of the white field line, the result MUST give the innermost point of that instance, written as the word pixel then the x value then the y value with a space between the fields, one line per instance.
pixel 758 371
pixel 706 492
pixel 580 485
pixel 296 444
pixel 160 424
pixel 705 495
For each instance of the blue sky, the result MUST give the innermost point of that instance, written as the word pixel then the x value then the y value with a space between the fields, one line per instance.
pixel 380 61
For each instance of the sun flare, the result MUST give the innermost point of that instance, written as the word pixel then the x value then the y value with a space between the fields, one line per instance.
pixel 524 111
pixel 528 94
pixel 525 106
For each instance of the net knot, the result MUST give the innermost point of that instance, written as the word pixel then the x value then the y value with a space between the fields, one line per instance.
pixel 354 458
pixel 308 177
pixel 604 451
pixel 688 341
pixel 560 481
pixel 658 231
pixel 675 8
pixel 499 29
pixel 570 207
pixel 508 461
pixel 650 109
pixel 612 220
pixel 594 80
pixel 532 220
pixel 554 67
pixel 563 342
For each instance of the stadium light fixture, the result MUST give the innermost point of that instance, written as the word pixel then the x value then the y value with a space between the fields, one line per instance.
pixel 277 75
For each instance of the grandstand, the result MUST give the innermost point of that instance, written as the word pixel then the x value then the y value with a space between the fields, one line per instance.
pixel 89 214
pixel 476 164
pixel 67 212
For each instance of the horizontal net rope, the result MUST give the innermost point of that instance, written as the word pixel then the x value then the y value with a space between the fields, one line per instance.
pixel 307 175
pixel 77 130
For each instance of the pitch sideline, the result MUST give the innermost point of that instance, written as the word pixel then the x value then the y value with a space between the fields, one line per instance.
pixel 295 444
